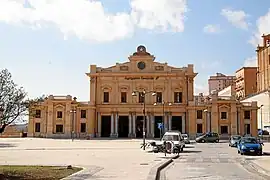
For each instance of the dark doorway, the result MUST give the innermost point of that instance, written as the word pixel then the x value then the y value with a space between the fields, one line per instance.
pixel 123 126
pixel 139 127
pixel 247 129
pixel 177 123
pixel 158 119
pixel 105 126
pixel 199 128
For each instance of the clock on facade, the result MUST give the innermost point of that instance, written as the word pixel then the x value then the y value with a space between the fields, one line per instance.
pixel 141 65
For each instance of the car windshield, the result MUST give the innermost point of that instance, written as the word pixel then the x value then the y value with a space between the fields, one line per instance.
pixel 236 137
pixel 249 141
pixel 170 138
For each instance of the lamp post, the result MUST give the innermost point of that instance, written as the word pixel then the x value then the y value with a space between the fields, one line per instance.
pixel 261 118
pixel 163 113
pixel 73 111
pixel 142 94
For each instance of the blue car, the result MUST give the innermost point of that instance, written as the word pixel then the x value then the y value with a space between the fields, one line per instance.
pixel 249 145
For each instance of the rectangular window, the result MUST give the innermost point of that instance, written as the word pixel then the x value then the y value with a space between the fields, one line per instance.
pixel 246 114
pixel 199 128
pixel 38 113
pixel 59 114
pixel 177 97
pixel 83 113
pixel 199 114
pixel 223 115
pixel 59 128
pixel 123 97
pixel 37 127
pixel 224 129
pixel 141 97
pixel 83 127
pixel 159 97
pixel 106 97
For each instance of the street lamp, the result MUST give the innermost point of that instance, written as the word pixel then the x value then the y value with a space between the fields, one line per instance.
pixel 142 94
pixel 163 113
pixel 261 118
pixel 72 124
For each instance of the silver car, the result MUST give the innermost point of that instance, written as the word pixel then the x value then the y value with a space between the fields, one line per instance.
pixel 186 138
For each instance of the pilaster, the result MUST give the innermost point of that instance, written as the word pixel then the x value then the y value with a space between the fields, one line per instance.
pixel 116 124
pixel 112 124
pixel 99 125
pixel 183 123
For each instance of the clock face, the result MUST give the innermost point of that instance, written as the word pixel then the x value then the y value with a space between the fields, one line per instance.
pixel 141 65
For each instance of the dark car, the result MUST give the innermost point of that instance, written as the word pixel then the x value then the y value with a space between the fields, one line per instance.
pixel 249 145
pixel 208 137
pixel 234 140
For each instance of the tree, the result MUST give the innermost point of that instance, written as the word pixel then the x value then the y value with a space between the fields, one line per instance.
pixel 13 101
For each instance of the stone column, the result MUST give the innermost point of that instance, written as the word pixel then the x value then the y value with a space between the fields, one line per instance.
pixel 116 124
pixel 134 124
pixel 170 122
pixel 208 120
pixel 130 125
pixel 183 124
pixel 153 125
pixel 112 124
pixel 99 125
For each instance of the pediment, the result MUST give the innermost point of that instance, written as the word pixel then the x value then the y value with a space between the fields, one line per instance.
pixel 224 106
pixel 59 106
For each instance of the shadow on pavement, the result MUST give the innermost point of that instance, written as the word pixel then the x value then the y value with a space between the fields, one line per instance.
pixel 187 146
pixel 266 153
pixel 194 151
pixel 6 145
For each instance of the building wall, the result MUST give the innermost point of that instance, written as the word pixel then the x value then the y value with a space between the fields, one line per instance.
pixel 246 81
pixel 263 57
pixel 263 114
pixel 125 78
pixel 219 82
pixel 14 131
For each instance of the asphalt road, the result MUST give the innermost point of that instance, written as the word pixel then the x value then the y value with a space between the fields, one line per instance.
pixel 213 161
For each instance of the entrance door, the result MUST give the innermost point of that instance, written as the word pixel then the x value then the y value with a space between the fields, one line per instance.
pixel 247 128
pixel 105 126
pixel 177 123
pixel 139 127
pixel 123 126
pixel 158 119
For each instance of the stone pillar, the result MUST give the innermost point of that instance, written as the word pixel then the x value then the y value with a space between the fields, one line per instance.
pixel 112 124
pixel 99 125
pixel 153 126
pixel 170 122
pixel 130 125
pixel 134 124
pixel 208 121
pixel 183 124
pixel 116 125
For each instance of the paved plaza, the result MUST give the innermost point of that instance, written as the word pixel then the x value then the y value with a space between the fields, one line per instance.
pixel 103 159
pixel 214 161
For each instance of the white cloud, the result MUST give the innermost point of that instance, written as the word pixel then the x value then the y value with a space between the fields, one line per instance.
pixel 88 20
pixel 161 14
pixel 236 18
pixel 211 28
pixel 251 62
pixel 263 27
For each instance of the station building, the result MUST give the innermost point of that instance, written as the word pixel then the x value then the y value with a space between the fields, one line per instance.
pixel 113 111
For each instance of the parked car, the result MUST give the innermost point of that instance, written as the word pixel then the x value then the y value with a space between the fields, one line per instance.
pixel 249 145
pixel 208 137
pixel 234 140
pixel 186 138
pixel 171 142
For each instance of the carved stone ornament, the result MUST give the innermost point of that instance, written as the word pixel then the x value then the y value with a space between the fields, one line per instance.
pixel 159 68
pixel 124 68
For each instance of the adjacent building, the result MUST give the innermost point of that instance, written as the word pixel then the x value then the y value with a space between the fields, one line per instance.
pixel 117 98
pixel 263 57
pixel 219 82
pixel 246 81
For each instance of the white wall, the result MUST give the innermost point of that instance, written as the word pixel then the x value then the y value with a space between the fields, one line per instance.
pixel 262 99
pixel 226 91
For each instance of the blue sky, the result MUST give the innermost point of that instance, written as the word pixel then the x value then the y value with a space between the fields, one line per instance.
pixel 48 47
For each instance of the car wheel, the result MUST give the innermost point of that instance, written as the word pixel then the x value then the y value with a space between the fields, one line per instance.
pixel 217 140
pixel 229 145
pixel 241 153
pixel 238 152
pixel 203 141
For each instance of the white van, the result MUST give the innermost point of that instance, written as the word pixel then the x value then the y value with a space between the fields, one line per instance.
pixel 176 138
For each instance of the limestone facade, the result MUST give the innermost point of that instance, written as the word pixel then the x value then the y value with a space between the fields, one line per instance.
pixel 113 111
